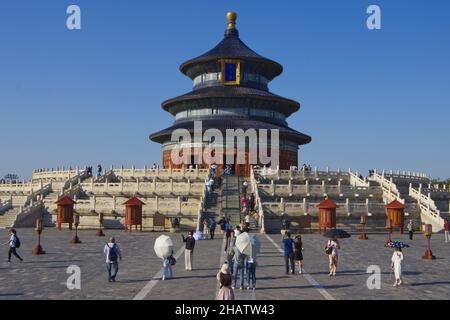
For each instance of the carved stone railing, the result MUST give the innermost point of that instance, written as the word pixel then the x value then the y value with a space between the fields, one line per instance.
pixel 428 208
pixel 390 191
pixel 5 206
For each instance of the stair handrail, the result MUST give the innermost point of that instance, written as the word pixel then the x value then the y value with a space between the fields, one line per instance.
pixel 427 205
pixel 5 206
pixel 255 190
pixel 390 190
pixel 356 181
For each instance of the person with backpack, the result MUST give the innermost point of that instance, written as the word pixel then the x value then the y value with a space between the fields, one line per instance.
pixel 332 251
pixel 113 255
pixel 189 251
pixel 14 244
pixel 289 252
pixel 298 254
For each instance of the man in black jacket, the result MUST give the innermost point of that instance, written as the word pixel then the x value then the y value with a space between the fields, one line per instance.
pixel 189 251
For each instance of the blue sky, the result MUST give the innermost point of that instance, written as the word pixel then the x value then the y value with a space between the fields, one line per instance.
pixel 370 99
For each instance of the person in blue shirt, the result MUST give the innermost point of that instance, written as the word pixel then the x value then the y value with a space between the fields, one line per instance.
pixel 289 252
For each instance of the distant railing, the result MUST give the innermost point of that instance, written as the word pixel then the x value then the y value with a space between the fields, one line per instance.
pixel 427 205
pixel 390 191
pixel 5 206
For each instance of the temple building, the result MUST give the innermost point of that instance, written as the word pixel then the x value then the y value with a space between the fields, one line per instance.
pixel 231 91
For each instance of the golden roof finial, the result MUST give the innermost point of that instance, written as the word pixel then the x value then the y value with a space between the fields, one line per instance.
pixel 231 16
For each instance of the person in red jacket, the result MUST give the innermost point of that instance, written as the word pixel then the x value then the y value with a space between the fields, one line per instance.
pixel 446 231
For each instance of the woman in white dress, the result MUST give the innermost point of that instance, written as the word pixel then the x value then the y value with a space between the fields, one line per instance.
pixel 396 265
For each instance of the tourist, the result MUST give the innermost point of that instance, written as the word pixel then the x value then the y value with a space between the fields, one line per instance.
pixel 224 277
pixel 14 244
pixel 289 252
pixel 229 233
pixel 154 167
pixel 113 254
pixel 206 228
pixel 396 265
pixel 332 251
pixel 244 186
pixel 250 271
pixel 410 229
pixel 189 251
pixel 256 219
pixel 167 271
pixel 298 254
pixel 252 202
pixel 99 170
pixel 447 231
pixel 238 268
pixel 247 220
pixel 212 228
pixel 222 223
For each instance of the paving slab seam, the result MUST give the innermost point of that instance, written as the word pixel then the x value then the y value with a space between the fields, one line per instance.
pixel 307 276
pixel 152 283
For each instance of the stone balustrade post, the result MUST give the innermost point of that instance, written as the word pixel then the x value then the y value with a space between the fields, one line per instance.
pixel 316 172
pixel 347 204
pixel 305 208
pixel 282 205
pixel 154 184
pixel 145 170
pixel 339 187
pixel 324 190
pixel 171 184
pixel 307 186
pixel 138 185
pixel 272 187
pixel 114 203
pixel 189 183
pixel 157 203
pixel 179 204
pixel 290 188
pixel 106 185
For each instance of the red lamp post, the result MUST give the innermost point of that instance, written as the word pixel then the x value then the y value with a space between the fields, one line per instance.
pixel 428 232
pixel 37 250
pixel 75 238
pixel 363 228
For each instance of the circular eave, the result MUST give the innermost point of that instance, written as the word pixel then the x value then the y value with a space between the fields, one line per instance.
pixel 222 124
pixel 232 92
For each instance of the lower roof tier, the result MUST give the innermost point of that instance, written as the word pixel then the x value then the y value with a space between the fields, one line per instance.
pixel 285 132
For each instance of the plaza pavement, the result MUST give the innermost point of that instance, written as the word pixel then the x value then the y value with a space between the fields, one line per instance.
pixel 44 277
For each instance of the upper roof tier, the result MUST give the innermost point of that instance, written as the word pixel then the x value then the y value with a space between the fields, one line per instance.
pixel 231 47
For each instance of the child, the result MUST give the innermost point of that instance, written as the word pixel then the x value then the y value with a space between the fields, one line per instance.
pixel 167 272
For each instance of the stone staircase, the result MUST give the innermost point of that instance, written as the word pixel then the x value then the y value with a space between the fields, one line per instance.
pixel 231 199
pixel 9 217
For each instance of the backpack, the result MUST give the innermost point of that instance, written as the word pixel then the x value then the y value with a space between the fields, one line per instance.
pixel 172 260
pixel 112 254
pixel 17 242
pixel 328 250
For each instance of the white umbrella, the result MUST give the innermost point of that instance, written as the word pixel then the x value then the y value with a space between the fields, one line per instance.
pixel 243 244
pixel 256 244
pixel 163 247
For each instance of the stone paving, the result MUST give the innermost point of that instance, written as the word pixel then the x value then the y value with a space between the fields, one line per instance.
pixel 44 277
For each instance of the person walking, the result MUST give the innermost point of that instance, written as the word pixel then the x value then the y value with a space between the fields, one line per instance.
pixel 250 271
pixel 222 223
pixel 14 244
pixel 247 220
pixel 396 265
pixel 289 253
pixel 238 268
pixel 224 277
pixel 447 231
pixel 252 202
pixel 212 228
pixel 410 227
pixel 189 251
pixel 298 254
pixel 206 228
pixel 113 254
pixel 332 250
